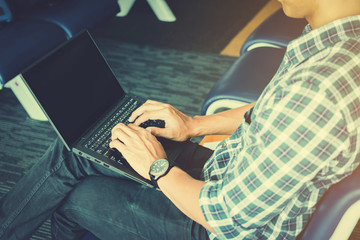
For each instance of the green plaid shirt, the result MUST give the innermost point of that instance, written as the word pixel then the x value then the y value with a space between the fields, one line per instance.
pixel 264 181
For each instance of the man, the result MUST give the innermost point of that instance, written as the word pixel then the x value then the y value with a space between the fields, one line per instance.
pixel 263 182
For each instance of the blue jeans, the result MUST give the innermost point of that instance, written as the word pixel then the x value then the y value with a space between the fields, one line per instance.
pixel 82 196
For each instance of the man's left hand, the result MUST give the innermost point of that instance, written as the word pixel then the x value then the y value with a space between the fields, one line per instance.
pixel 138 146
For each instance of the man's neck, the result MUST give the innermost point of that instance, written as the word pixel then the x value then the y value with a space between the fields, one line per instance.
pixel 329 11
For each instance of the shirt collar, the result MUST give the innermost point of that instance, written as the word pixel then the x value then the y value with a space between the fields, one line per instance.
pixel 314 41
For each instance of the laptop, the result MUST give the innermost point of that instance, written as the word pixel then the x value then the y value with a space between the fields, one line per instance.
pixel 83 101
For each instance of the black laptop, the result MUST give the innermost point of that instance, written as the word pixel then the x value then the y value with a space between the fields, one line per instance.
pixel 83 101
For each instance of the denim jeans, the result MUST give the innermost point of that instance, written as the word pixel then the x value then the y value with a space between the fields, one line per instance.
pixel 82 196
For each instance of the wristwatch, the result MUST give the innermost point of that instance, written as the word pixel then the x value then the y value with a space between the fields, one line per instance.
pixel 158 169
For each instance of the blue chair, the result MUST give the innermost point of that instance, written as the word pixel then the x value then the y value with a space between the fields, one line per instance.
pixel 73 16
pixel 338 211
pixel 244 81
pixel 27 34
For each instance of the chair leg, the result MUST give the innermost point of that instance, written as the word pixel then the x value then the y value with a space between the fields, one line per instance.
pixel 160 7
pixel 125 6
pixel 162 10
pixel 26 99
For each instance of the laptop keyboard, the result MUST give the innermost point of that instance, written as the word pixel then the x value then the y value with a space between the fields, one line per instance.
pixel 99 142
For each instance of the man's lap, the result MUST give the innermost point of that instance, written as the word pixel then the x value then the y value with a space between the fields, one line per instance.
pixel 112 207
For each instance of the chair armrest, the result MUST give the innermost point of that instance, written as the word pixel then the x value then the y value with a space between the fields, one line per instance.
pixel 333 208
pixel 244 81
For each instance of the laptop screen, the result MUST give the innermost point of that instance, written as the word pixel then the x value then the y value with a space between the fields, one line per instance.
pixel 74 85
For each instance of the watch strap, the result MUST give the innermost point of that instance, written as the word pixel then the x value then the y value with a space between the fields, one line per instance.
pixel 152 177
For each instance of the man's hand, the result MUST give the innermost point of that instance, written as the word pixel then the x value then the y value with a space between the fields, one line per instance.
pixel 177 125
pixel 138 146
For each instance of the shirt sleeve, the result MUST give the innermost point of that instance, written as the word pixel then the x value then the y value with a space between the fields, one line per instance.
pixel 293 134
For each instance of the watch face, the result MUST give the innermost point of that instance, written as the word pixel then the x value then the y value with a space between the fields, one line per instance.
pixel 159 167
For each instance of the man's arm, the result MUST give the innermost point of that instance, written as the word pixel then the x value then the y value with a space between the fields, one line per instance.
pixel 180 127
pixel 220 123
pixel 177 185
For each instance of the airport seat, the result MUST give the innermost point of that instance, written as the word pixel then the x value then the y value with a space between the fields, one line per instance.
pixel 338 211
pixel 40 37
pixel 244 81
pixel 27 34
pixel 21 44
pixel 73 16
pixel 276 31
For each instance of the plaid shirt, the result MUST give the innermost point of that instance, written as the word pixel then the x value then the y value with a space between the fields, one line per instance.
pixel 264 181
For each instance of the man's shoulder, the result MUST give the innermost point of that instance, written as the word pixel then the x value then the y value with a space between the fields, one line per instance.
pixel 333 62
pixel 349 49
pixel 326 72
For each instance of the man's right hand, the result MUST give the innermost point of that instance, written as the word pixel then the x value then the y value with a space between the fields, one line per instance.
pixel 178 126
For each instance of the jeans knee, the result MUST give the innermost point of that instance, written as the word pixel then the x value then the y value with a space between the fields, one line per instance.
pixel 84 194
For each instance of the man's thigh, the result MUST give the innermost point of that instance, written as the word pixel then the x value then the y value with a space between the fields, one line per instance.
pixel 112 208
